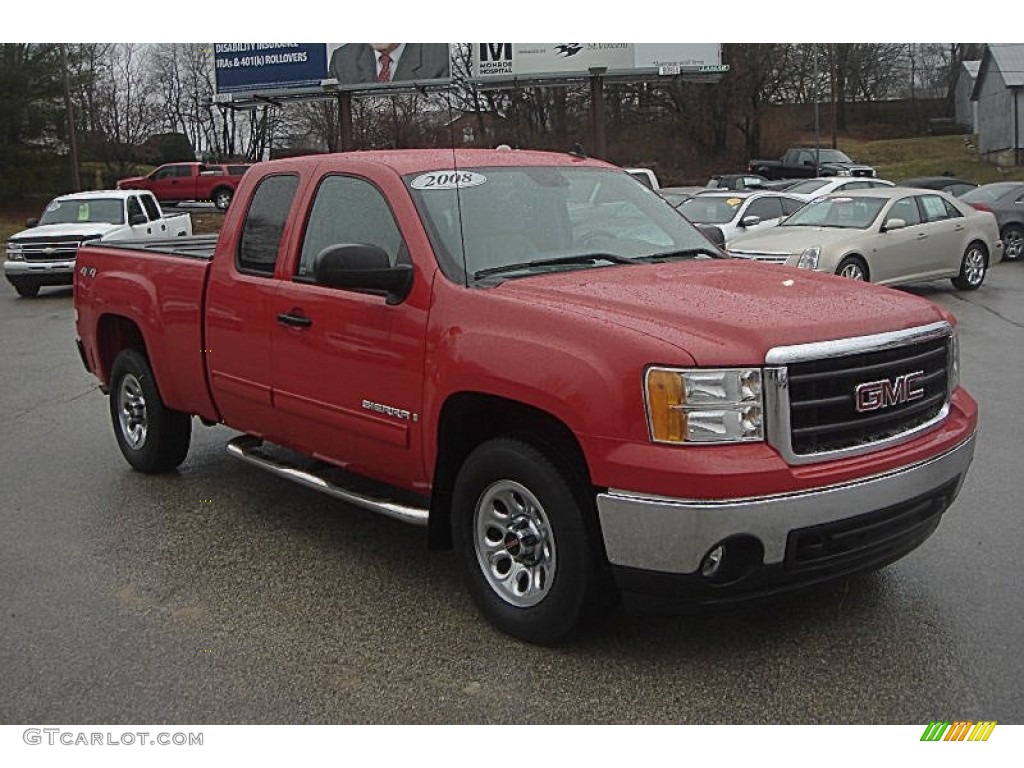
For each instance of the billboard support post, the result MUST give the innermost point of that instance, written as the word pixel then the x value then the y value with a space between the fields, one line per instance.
pixel 597 111
pixel 345 143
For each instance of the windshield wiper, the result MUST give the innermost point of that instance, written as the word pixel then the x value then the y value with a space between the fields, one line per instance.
pixel 686 253
pixel 586 258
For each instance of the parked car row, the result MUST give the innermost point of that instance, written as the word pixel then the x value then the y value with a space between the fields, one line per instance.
pixel 864 228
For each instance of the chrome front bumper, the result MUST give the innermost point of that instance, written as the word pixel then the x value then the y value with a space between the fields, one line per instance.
pixel 673 535
pixel 38 268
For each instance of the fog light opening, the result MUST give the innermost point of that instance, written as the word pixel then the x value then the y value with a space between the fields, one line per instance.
pixel 731 560
pixel 711 565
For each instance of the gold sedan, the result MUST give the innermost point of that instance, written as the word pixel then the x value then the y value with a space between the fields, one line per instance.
pixel 887 236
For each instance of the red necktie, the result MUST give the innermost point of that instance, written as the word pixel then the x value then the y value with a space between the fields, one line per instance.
pixel 385 69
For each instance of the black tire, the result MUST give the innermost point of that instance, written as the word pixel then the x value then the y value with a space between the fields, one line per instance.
pixel 1013 241
pixel 973 268
pixel 152 437
pixel 854 268
pixel 544 534
pixel 222 198
pixel 27 289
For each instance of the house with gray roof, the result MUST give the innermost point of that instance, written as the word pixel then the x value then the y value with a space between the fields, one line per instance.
pixel 997 93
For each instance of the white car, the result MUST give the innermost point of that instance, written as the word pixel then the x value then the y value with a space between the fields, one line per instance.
pixel 888 236
pixel 44 254
pixel 739 212
pixel 811 189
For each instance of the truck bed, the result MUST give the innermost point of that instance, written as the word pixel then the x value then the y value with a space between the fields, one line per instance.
pixel 193 247
pixel 156 286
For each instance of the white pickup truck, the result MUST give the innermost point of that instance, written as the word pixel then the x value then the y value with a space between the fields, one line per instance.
pixel 44 253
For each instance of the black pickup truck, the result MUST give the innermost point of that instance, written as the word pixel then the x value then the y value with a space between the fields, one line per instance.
pixel 808 163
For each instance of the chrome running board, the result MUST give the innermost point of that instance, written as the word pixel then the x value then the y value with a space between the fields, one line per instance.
pixel 247 448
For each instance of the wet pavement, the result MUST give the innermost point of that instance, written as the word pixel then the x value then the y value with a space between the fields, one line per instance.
pixel 221 594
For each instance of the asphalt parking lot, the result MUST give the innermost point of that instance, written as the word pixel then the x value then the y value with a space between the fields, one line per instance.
pixel 220 594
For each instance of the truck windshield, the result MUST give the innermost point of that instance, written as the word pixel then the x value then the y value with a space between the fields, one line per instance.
pixel 516 221
pixel 839 212
pixel 95 210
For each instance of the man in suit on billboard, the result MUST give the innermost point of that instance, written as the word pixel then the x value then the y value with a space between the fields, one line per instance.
pixel 389 62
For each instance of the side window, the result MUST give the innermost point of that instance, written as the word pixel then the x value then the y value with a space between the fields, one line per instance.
pixel 152 209
pixel 348 210
pixel 790 206
pixel 264 223
pixel 905 209
pixel 134 208
pixel 951 211
pixel 183 171
pixel 934 208
pixel 164 173
pixel 766 208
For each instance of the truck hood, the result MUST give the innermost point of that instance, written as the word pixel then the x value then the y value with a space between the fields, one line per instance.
pixel 725 312
pixel 794 239
pixel 84 231
pixel 123 183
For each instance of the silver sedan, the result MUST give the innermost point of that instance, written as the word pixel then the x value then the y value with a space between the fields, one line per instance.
pixel 888 236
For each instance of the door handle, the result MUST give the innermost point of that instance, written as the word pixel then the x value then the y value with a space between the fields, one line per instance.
pixel 294 320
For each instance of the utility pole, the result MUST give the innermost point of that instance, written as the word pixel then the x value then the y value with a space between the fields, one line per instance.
pixel 817 98
pixel 76 180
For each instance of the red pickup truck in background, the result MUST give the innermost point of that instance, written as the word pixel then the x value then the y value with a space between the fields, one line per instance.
pixel 539 360
pixel 178 182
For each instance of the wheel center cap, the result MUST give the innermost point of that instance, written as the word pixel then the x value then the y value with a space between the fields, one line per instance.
pixel 521 541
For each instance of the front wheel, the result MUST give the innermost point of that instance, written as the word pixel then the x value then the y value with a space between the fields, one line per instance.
pixel 25 288
pixel 524 542
pixel 853 268
pixel 152 437
pixel 973 268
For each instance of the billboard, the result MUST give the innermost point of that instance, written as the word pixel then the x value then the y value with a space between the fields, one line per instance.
pixel 362 65
pixel 500 61
pixel 254 67
pixel 247 69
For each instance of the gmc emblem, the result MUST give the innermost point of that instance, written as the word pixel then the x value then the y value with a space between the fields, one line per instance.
pixel 875 395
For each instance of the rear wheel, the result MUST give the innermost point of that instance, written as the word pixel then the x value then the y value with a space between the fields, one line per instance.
pixel 853 267
pixel 1013 242
pixel 25 288
pixel 524 542
pixel 152 437
pixel 973 268
pixel 222 198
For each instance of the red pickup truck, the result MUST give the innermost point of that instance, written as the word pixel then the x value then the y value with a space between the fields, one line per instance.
pixel 539 360
pixel 178 182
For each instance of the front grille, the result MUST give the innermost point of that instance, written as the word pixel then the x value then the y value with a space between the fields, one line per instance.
pixel 823 415
pixel 842 544
pixel 50 249
pixel 768 258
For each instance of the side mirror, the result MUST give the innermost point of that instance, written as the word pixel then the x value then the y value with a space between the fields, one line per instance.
pixel 32 222
pixel 362 267
pixel 750 221
pixel 137 219
pixel 894 224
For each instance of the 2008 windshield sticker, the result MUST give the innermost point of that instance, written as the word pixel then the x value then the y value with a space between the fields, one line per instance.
pixel 448 180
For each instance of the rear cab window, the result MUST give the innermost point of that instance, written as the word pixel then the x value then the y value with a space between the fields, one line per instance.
pixel 264 224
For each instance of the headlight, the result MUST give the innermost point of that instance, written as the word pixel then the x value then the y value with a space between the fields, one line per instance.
pixel 843 172
pixel 954 360
pixel 809 258
pixel 14 251
pixel 704 406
